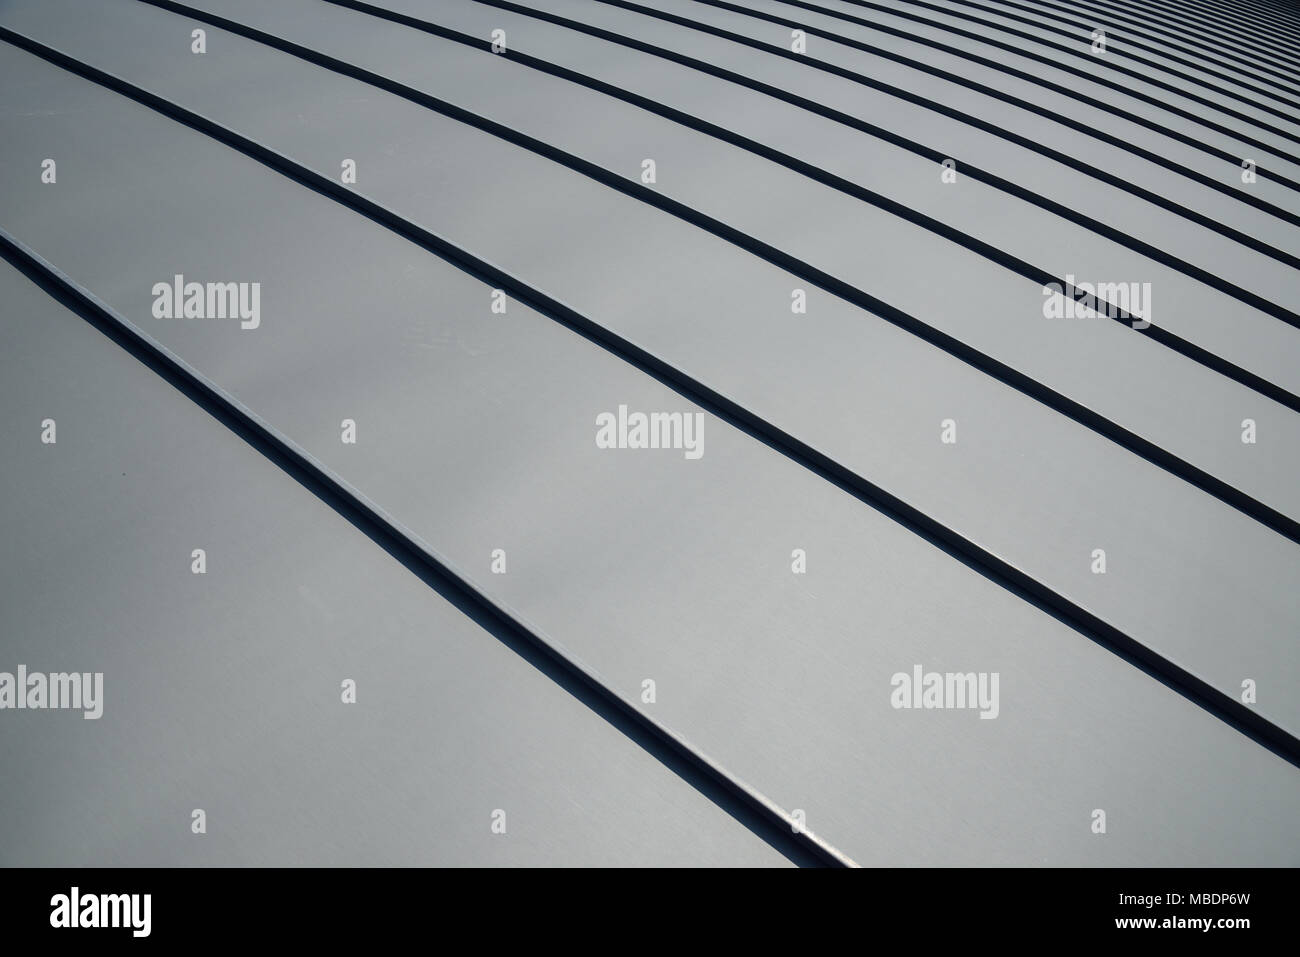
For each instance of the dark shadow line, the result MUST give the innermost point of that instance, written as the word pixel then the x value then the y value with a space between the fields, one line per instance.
pixel 678 758
pixel 982 562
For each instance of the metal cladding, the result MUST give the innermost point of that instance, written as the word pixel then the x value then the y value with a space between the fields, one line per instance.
pixel 687 432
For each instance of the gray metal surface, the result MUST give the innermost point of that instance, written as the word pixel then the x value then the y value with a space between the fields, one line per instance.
pixel 928 124
pixel 1156 54
pixel 222 691
pixel 1175 112
pixel 1204 315
pixel 1152 44
pixel 1206 571
pixel 1098 70
pixel 1257 44
pixel 476 432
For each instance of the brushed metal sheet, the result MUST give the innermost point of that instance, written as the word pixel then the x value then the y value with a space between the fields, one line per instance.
pixel 223 691
pixel 476 432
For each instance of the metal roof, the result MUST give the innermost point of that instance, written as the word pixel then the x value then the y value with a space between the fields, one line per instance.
pixel 946 456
